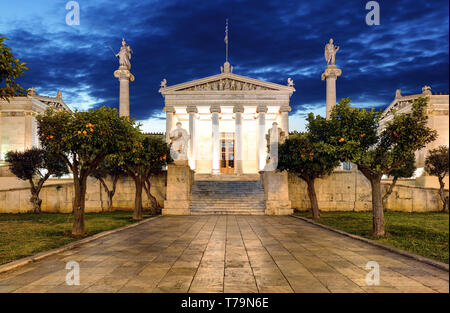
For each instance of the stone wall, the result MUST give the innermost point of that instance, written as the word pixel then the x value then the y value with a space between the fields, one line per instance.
pixel 57 196
pixel 351 191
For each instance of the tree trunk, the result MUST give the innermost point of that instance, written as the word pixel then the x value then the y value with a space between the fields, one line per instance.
pixel 391 188
pixel 154 202
pixel 377 206
pixel 313 199
pixel 137 214
pixel 36 202
pixel 444 199
pixel 78 206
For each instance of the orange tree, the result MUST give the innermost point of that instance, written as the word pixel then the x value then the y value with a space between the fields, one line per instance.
pixel 35 166
pixel 302 155
pixel 10 69
pixel 436 164
pixel 147 156
pixel 375 151
pixel 109 168
pixel 83 140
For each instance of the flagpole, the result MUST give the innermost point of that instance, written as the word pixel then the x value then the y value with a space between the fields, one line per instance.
pixel 226 41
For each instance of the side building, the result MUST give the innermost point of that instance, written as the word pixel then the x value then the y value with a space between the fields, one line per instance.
pixel 18 125
pixel 437 112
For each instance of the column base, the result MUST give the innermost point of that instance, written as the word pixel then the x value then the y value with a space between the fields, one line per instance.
pixel 215 172
pixel 278 208
pixel 176 208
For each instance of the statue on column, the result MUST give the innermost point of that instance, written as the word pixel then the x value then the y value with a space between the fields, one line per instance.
pixel 330 52
pixel 124 54
pixel 274 137
pixel 179 139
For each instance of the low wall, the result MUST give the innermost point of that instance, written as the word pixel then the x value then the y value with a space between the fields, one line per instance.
pixel 57 196
pixel 351 191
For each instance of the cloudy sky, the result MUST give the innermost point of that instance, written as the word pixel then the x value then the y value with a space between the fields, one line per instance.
pixel 272 40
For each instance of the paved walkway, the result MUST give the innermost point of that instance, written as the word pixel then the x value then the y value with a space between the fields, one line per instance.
pixel 226 254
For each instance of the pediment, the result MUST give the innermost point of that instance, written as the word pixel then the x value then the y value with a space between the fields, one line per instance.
pixel 225 82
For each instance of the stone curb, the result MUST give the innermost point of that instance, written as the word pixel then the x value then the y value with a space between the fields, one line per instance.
pixel 440 265
pixel 33 258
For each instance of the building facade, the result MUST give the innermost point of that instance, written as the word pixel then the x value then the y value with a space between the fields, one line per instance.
pixel 227 117
pixel 438 119
pixel 18 125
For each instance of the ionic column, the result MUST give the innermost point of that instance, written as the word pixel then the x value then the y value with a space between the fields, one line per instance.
pixel 262 149
pixel 238 110
pixel 332 72
pixel 170 111
pixel 284 111
pixel 124 75
pixel 215 137
pixel 192 110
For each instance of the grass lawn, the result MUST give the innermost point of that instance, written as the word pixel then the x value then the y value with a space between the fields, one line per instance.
pixel 425 234
pixel 27 234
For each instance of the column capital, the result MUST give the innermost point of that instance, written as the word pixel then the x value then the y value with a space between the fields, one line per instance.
pixel 261 108
pixel 215 108
pixel 331 71
pixel 124 74
pixel 238 108
pixel 285 108
pixel 169 109
pixel 191 109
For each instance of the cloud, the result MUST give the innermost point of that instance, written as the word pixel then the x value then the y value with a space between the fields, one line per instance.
pixel 183 40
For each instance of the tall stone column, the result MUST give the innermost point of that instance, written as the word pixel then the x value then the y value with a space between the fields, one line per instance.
pixel 262 148
pixel 170 111
pixel 192 110
pixel 215 137
pixel 332 72
pixel 284 111
pixel 124 76
pixel 238 110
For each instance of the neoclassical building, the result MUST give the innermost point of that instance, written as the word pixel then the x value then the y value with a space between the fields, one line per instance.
pixel 437 112
pixel 227 117
pixel 18 126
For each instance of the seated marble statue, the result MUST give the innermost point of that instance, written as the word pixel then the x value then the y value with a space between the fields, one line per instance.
pixel 179 139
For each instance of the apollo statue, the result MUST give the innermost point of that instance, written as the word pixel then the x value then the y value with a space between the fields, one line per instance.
pixel 330 52
pixel 179 139
pixel 124 54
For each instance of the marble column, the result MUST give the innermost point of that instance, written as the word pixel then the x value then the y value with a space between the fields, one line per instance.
pixel 238 153
pixel 124 76
pixel 262 146
pixel 192 110
pixel 170 111
pixel 284 111
pixel 332 72
pixel 215 139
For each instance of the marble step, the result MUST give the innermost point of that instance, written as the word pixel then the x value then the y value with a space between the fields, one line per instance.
pixel 233 212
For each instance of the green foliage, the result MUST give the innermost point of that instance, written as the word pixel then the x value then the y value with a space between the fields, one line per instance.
pixel 85 138
pixel 148 155
pixel 436 162
pixel 108 167
pixel 358 140
pixel 406 168
pixel 35 162
pixel 10 69
pixel 301 155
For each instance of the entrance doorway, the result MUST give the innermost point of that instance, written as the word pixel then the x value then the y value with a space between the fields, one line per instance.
pixel 227 153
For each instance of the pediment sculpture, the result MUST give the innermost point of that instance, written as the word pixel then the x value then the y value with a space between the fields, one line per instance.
pixel 226 84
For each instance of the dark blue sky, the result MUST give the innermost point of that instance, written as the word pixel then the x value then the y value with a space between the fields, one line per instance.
pixel 269 40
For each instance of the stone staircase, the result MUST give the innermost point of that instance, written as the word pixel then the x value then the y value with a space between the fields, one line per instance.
pixel 227 194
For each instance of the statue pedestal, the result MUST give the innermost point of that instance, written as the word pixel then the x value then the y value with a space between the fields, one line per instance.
pixel 276 193
pixel 178 195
